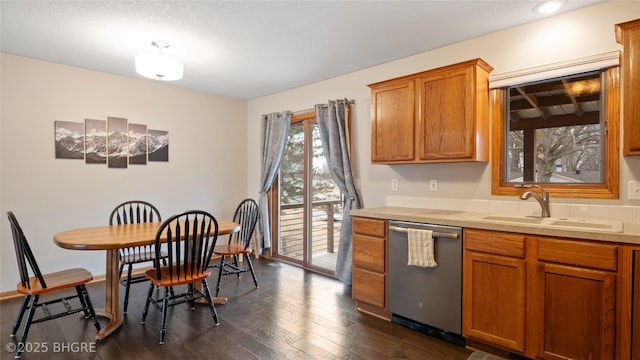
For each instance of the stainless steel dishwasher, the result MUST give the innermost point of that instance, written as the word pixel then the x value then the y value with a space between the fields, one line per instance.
pixel 427 299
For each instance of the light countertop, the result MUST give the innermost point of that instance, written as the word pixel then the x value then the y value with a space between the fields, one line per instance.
pixel 630 233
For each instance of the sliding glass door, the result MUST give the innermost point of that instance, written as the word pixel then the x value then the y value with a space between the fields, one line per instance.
pixel 310 206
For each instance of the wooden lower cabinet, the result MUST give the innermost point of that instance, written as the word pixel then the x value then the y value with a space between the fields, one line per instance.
pixel 635 304
pixel 494 288
pixel 369 280
pixel 497 293
pixel 576 308
pixel 555 300
pixel 368 287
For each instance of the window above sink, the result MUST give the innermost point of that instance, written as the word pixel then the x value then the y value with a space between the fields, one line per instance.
pixel 561 132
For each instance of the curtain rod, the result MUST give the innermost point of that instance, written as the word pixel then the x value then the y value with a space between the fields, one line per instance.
pixel 350 102
pixel 303 111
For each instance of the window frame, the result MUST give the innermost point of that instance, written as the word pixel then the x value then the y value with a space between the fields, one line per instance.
pixel 608 189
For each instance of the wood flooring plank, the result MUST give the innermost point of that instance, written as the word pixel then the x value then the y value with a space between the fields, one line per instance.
pixel 294 314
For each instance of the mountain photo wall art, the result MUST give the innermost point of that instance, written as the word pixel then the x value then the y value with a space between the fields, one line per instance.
pixel 114 142
pixel 95 139
pixel 118 142
pixel 69 140
pixel 138 144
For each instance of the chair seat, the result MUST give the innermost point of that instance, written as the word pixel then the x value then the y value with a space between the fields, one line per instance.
pixel 152 275
pixel 55 281
pixel 140 257
pixel 231 249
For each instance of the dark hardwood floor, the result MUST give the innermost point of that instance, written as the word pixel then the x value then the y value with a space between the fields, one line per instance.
pixel 294 314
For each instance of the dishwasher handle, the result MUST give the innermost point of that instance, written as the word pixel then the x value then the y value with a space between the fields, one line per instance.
pixel 438 234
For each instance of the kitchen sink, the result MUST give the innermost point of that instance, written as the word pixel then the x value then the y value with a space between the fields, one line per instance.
pixel 588 224
pixel 561 223
pixel 512 219
pixel 438 212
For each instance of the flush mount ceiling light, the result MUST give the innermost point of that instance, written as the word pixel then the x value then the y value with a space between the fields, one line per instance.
pixel 159 66
pixel 549 7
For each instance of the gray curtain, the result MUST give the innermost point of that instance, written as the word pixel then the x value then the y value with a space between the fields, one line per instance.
pixel 334 134
pixel 273 138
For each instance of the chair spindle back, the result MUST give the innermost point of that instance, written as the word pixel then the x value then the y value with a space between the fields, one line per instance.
pixel 246 215
pixel 24 254
pixel 189 238
pixel 132 212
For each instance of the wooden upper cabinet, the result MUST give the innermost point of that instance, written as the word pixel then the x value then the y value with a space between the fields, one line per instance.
pixel 628 34
pixel 439 115
pixel 454 113
pixel 392 115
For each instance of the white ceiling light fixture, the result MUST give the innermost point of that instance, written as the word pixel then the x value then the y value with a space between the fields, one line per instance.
pixel 159 66
pixel 549 6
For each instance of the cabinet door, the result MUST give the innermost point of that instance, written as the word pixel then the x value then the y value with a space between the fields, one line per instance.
pixel 635 322
pixel 368 287
pixel 392 122
pixel 446 124
pixel 368 253
pixel 494 300
pixel 371 227
pixel 576 313
pixel 628 34
pixel 635 305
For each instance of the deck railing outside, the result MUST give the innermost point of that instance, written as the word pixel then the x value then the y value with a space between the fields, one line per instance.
pixel 326 225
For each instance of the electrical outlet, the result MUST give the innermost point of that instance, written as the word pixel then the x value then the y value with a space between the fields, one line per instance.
pixel 433 185
pixel 634 190
pixel 394 184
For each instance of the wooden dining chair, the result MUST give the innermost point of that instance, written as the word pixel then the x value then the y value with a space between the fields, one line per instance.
pixel 53 285
pixel 130 212
pixel 189 238
pixel 239 244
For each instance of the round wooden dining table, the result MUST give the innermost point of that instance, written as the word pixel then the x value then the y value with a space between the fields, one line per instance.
pixel 112 238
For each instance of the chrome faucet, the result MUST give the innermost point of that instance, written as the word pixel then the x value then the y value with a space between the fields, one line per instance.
pixel 543 198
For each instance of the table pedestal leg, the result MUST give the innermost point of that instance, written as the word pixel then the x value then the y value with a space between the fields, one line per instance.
pixel 112 301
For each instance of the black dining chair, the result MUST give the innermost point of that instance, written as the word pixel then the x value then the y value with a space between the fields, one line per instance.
pixel 189 238
pixel 239 244
pixel 54 285
pixel 130 212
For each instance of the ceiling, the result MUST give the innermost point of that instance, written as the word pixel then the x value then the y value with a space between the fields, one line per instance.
pixel 249 49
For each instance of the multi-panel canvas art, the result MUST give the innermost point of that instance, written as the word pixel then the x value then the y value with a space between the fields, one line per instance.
pixel 158 145
pixel 69 140
pixel 117 142
pixel 96 141
pixel 114 142
pixel 138 144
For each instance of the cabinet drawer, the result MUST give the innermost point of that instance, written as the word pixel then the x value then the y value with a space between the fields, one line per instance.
pixel 371 227
pixel 368 287
pixel 368 252
pixel 494 242
pixel 579 253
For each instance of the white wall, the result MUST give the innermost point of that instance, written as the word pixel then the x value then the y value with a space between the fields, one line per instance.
pixel 214 141
pixel 582 33
pixel 206 168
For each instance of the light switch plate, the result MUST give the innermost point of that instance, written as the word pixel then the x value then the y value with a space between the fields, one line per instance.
pixel 433 185
pixel 634 190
